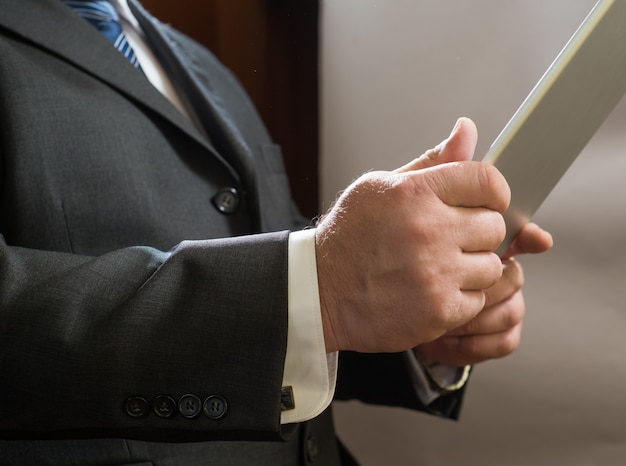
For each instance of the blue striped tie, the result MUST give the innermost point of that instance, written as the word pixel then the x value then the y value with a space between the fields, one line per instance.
pixel 102 15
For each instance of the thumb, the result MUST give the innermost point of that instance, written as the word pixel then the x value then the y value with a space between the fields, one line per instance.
pixel 458 147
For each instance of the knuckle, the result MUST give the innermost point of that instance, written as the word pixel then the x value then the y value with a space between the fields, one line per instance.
pixel 371 182
pixel 446 311
pixel 511 319
pixel 515 316
pixel 494 230
pixel 495 186
pixel 394 189
pixel 508 343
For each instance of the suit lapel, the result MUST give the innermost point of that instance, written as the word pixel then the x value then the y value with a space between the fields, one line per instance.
pixel 214 115
pixel 54 27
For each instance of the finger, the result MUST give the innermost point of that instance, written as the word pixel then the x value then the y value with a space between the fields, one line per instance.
pixel 479 229
pixel 470 184
pixel 473 301
pixel 464 183
pixel 473 349
pixel 510 282
pixel 532 239
pixel 496 319
pixel 459 146
pixel 479 271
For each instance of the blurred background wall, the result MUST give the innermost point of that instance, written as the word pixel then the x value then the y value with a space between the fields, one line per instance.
pixel 395 75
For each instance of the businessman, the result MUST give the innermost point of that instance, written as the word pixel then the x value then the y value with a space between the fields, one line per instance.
pixel 160 300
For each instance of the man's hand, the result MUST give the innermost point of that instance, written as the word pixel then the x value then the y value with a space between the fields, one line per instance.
pixel 495 332
pixel 406 256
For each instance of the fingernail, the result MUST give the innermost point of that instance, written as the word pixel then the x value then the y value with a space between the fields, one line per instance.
pixel 438 149
pixel 456 127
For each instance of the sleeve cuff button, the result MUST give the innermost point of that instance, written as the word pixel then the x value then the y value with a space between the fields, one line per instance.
pixel 136 406
pixel 215 407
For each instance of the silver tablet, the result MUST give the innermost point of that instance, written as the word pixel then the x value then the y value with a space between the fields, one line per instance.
pixel 562 113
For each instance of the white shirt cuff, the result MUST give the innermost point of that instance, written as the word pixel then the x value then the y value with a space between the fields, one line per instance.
pixel 309 371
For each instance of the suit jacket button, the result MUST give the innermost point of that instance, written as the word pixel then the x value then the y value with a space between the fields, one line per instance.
pixel 164 406
pixel 226 200
pixel 215 407
pixel 136 406
pixel 189 406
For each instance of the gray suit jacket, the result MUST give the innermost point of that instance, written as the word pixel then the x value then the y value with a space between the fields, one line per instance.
pixel 143 262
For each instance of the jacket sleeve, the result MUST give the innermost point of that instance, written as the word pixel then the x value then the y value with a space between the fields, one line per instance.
pixel 110 324
pixel 384 379
pixel 100 345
